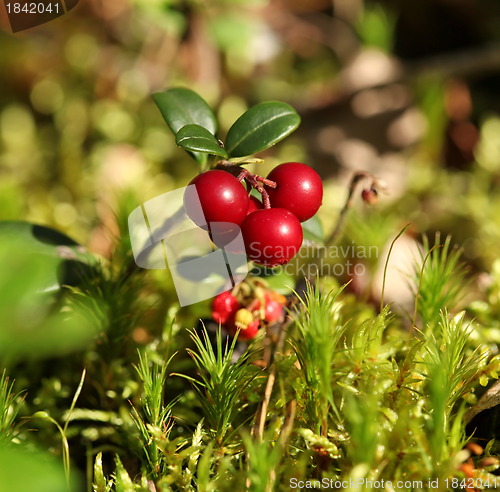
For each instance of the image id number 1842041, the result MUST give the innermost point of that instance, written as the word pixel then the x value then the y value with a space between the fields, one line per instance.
pixel 32 8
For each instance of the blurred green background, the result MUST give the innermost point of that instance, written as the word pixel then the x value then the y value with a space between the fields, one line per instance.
pixel 408 92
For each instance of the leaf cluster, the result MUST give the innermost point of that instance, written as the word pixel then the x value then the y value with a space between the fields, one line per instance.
pixel 194 125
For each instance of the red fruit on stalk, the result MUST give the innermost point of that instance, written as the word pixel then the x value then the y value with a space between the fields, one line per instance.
pixel 272 236
pixel 219 197
pixel 370 196
pixel 298 189
pixel 250 331
pixel 273 310
pixel 245 322
pixel 245 334
pixel 224 306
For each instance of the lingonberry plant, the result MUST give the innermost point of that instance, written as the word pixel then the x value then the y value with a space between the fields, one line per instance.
pixel 220 198
pixel 292 192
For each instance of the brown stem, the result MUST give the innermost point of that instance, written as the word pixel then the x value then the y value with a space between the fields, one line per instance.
pixel 256 182
pixel 243 174
pixel 356 179
pixel 230 167
pixel 265 197
pixel 260 420
pixel 286 430
pixel 268 182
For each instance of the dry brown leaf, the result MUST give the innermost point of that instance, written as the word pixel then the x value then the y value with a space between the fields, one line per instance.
pixel 490 399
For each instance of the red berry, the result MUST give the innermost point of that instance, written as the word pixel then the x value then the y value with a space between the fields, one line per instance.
pixel 370 196
pixel 245 322
pixel 223 306
pixel 273 311
pixel 219 197
pixel 253 204
pixel 250 331
pixel 298 189
pixel 272 236
pixel 272 308
pixel 245 334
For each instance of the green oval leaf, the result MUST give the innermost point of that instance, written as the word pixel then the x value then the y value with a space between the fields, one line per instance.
pixel 180 107
pixel 198 139
pixel 66 260
pixel 262 126
pixel 36 320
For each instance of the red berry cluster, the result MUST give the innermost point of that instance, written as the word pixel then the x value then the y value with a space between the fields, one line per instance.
pixel 247 314
pixel 272 234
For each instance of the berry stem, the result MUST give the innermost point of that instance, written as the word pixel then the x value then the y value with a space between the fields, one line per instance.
pixel 265 197
pixel 256 182
pixel 229 166
pixel 268 182
pixel 243 174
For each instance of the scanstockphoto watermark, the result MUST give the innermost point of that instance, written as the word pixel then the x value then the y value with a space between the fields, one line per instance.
pixel 347 269
pixel 365 483
pixel 316 252
pixel 347 260
pixel 340 252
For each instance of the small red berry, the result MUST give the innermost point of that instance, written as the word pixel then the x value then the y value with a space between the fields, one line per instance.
pixel 250 331
pixel 219 197
pixel 272 236
pixel 273 311
pixel 245 322
pixel 298 189
pixel 223 306
pixel 370 196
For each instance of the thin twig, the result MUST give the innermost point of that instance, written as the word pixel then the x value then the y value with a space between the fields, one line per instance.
pixel 260 421
pixel 286 430
pixel 348 204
